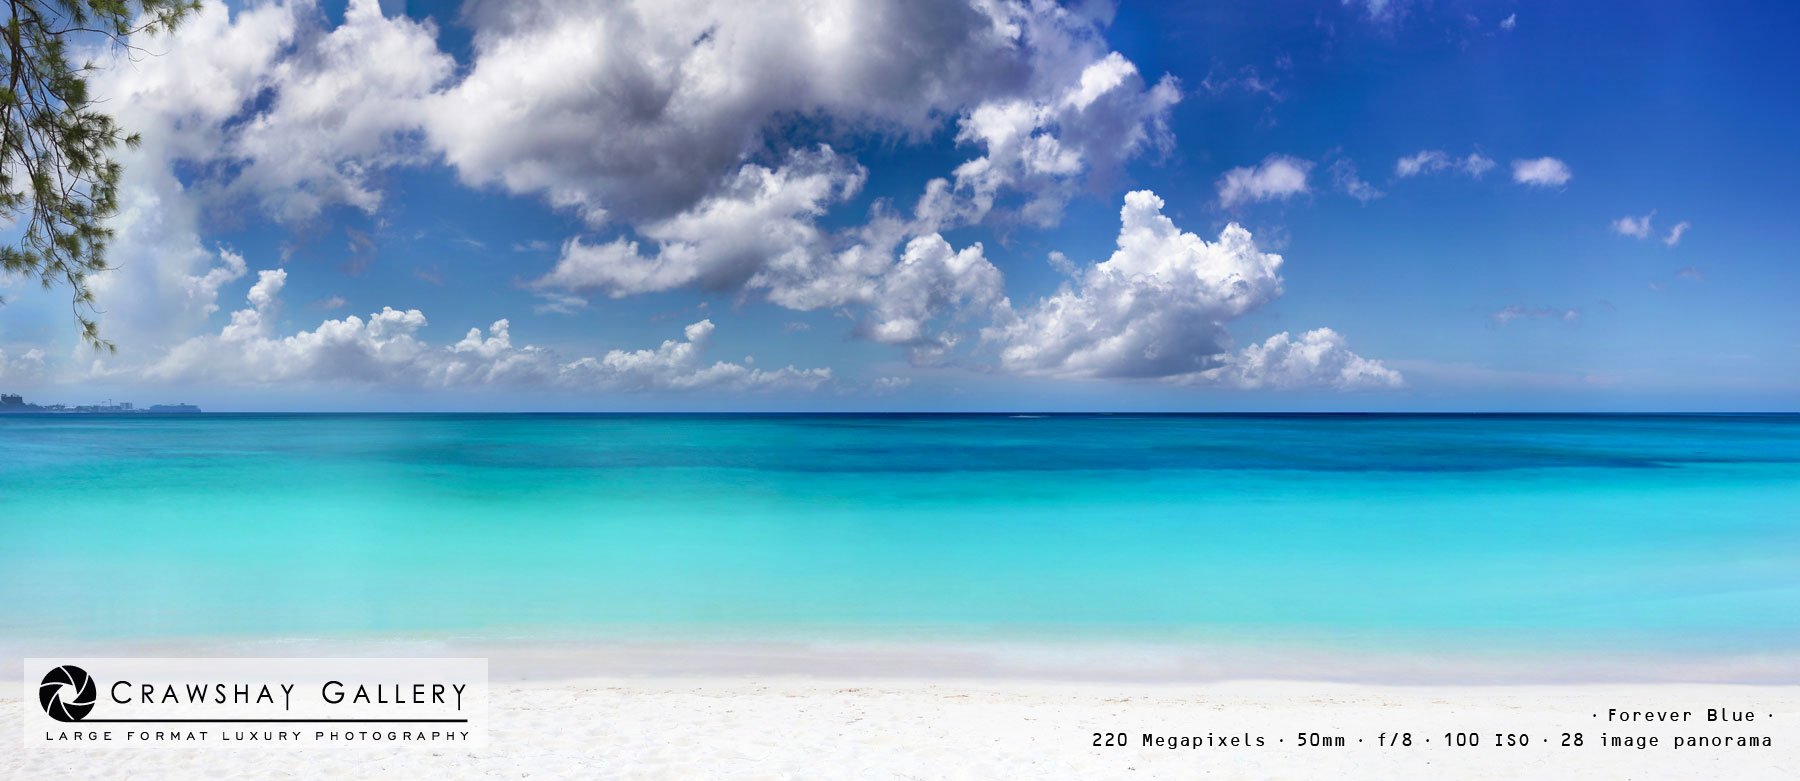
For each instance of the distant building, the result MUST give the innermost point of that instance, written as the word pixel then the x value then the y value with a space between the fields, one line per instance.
pixel 13 403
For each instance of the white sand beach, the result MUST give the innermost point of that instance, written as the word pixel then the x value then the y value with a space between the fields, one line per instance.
pixel 861 725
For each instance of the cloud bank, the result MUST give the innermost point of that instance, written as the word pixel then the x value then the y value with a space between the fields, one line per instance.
pixel 702 151
pixel 385 350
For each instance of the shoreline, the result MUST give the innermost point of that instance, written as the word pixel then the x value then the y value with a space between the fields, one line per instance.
pixel 1074 661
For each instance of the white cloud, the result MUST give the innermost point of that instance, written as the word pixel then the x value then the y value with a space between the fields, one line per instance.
pixel 1518 312
pixel 1343 175
pixel 644 127
pixel 262 106
pixel 268 285
pixel 1042 144
pixel 1320 358
pixel 1541 172
pixel 301 117
pixel 1276 177
pixel 1475 165
pixel 1157 309
pixel 1423 162
pixel 1511 21
pixel 1249 80
pixel 931 278
pixel 1379 10
pixel 1691 273
pixel 164 282
pixel 1637 227
pixel 331 302
pixel 24 371
pixel 886 385
pixel 666 127
pixel 347 104
pixel 203 289
pixel 385 351
pixel 649 123
pixel 559 303
pixel 1641 228
pixel 1431 161
pixel 759 233
pixel 758 218
pixel 275 108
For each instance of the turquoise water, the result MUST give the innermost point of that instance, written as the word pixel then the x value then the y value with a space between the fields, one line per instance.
pixel 1614 532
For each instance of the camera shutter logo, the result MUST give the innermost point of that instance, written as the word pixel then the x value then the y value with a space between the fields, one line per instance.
pixel 67 693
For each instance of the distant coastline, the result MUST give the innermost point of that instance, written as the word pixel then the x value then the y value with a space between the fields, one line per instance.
pixel 15 404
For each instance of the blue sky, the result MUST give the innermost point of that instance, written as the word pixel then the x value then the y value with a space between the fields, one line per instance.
pixel 714 209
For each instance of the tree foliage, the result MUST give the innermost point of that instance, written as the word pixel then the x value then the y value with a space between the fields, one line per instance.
pixel 58 179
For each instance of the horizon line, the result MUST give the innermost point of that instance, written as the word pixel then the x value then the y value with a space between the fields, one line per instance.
pixel 144 413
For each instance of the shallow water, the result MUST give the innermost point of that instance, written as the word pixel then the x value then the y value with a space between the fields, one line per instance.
pixel 1589 533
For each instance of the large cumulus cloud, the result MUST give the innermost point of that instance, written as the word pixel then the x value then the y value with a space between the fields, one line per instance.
pixel 1158 308
pixel 1033 90
pixel 641 109
pixel 264 106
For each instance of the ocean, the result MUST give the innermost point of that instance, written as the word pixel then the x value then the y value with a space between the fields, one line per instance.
pixel 1587 533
